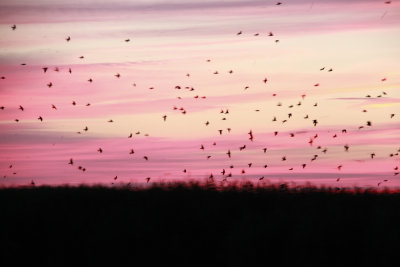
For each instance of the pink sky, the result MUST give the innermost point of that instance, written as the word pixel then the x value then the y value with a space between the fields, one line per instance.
pixel 358 39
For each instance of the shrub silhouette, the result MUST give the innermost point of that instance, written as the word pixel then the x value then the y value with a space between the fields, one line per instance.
pixel 198 224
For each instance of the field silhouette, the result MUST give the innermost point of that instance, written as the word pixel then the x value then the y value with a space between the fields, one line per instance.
pixel 198 224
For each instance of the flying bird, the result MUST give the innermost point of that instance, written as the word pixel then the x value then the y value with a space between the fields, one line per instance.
pixel 251 135
pixel 68 39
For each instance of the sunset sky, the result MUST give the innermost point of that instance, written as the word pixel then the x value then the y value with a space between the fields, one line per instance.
pixel 195 44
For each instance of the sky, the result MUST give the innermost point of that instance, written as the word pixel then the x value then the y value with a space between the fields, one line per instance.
pixel 295 75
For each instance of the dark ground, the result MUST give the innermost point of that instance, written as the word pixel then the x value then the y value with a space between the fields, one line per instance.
pixel 198 226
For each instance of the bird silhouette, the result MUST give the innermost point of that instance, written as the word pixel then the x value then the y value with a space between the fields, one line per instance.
pixel 251 135
pixel 68 39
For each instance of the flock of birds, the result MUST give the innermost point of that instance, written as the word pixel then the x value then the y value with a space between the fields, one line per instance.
pixel 225 172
